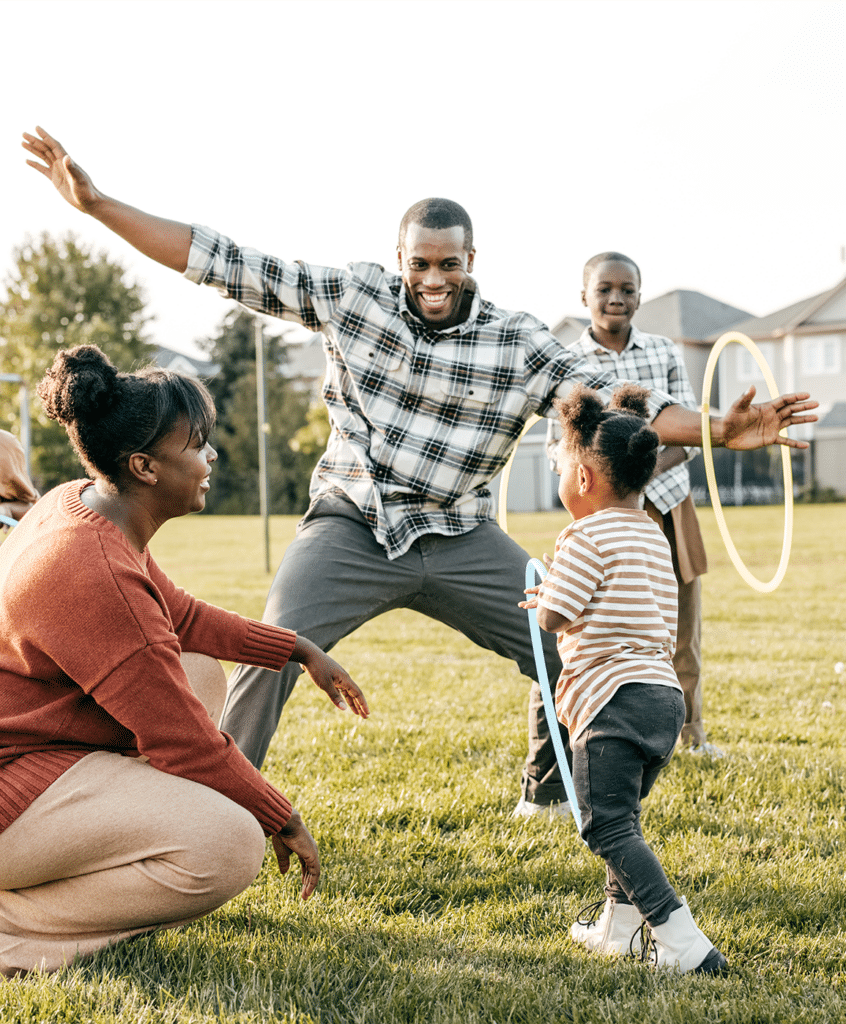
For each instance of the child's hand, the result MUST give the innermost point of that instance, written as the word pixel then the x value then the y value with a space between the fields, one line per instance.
pixel 533 601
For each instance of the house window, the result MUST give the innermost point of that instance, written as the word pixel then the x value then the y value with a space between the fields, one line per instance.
pixel 747 366
pixel 821 354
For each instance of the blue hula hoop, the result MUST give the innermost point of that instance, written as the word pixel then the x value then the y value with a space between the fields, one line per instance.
pixel 535 566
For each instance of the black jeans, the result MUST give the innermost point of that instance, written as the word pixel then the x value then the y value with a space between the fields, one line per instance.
pixel 616 761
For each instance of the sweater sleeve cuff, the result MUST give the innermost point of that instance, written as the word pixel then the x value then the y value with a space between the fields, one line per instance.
pixel 275 813
pixel 267 646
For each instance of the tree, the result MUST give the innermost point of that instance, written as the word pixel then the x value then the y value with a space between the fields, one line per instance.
pixel 235 486
pixel 62 294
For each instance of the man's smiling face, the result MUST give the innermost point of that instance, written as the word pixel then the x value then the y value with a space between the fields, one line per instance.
pixel 436 269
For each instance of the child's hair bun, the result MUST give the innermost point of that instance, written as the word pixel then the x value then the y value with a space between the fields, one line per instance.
pixel 642 443
pixel 581 412
pixel 81 385
pixel 631 398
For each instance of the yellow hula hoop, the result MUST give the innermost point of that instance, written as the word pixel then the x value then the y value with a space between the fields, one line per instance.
pixel 502 509
pixel 708 455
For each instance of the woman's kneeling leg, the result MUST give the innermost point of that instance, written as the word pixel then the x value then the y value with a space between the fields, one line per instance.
pixel 112 849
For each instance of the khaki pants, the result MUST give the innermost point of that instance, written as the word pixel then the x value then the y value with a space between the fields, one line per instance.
pixel 112 849
pixel 681 529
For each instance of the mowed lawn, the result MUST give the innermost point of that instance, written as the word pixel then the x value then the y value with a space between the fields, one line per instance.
pixel 435 906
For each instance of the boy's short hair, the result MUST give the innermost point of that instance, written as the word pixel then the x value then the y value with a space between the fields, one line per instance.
pixel 607 257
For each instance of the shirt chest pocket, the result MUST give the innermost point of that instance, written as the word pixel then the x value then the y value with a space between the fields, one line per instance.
pixel 376 373
pixel 473 396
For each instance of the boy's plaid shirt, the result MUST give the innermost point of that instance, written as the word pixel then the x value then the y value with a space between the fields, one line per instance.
pixel 655 362
pixel 422 419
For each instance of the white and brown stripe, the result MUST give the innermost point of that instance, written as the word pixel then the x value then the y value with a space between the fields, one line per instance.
pixel 613 580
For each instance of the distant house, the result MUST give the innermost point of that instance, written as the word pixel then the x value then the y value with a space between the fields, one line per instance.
pixel 804 346
pixel 692 320
pixel 170 359
pixel 304 366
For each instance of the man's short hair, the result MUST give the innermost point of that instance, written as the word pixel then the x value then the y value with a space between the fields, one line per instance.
pixel 437 214
pixel 608 257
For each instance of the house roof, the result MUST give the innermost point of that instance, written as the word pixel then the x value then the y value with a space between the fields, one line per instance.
pixel 685 315
pixel 170 359
pixel 821 312
pixel 577 323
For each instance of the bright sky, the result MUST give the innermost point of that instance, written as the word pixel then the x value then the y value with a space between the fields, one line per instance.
pixel 704 139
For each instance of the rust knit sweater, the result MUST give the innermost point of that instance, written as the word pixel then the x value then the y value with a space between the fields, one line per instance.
pixel 91 634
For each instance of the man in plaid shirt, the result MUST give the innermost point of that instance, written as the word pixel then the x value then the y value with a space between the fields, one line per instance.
pixel 428 387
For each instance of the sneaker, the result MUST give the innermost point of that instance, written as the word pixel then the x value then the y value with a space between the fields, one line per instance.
pixel 706 750
pixel 525 809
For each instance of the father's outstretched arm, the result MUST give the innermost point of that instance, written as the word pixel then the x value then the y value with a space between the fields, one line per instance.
pixel 744 426
pixel 166 241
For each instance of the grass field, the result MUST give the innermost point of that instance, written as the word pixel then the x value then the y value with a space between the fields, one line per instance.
pixel 435 906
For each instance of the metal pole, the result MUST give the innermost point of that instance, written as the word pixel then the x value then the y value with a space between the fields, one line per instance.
pixel 26 431
pixel 263 431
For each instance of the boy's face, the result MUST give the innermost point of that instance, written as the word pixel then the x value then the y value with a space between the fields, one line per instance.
pixel 612 295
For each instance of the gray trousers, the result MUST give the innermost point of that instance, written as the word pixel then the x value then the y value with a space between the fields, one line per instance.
pixel 334 577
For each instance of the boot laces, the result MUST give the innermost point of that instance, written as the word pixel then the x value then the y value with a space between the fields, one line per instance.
pixel 648 950
pixel 590 913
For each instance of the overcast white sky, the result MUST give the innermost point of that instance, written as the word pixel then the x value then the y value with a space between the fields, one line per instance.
pixel 704 139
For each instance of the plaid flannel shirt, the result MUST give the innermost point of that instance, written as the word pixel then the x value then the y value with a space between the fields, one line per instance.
pixel 655 362
pixel 421 419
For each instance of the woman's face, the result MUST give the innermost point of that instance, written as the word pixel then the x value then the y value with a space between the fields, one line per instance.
pixel 182 466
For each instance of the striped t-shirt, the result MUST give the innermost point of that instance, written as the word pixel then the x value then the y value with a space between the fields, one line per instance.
pixel 613 580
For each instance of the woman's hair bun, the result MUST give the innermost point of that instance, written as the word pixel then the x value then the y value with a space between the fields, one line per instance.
pixel 80 386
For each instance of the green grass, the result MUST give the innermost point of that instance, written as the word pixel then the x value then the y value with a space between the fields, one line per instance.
pixel 436 907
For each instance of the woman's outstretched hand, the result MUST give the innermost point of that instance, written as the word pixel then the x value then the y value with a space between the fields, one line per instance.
pixel 328 676
pixel 296 838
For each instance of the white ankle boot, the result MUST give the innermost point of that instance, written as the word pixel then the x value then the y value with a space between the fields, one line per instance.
pixel 679 943
pixel 615 931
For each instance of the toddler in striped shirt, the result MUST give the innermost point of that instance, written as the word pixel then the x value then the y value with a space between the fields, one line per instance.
pixel 610 596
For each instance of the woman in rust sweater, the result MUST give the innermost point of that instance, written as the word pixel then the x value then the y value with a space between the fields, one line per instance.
pixel 123 808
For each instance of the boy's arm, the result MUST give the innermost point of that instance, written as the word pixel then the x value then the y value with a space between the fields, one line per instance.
pixel 166 241
pixel 670 457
